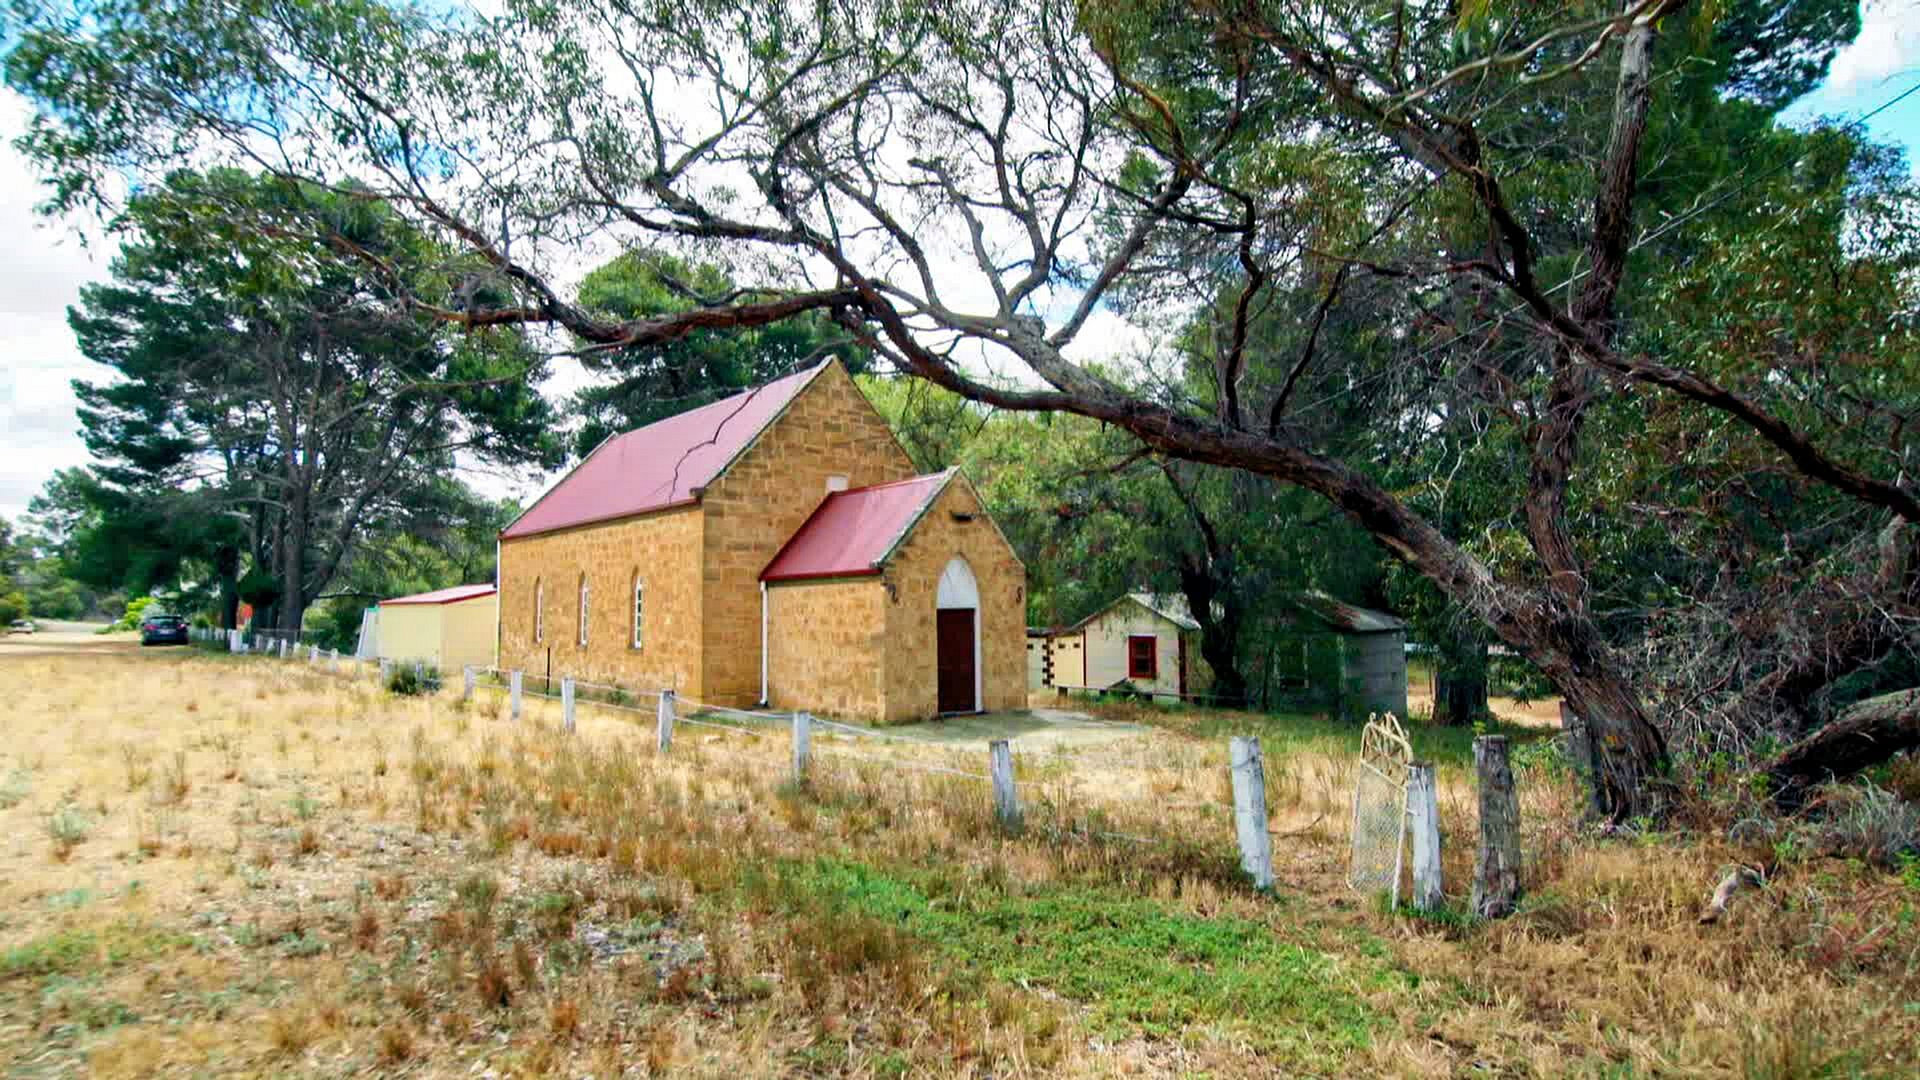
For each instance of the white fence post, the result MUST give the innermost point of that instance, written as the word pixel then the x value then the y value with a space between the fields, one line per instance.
pixel 313 654
pixel 513 694
pixel 663 733
pixel 333 661
pixel 802 745
pixel 566 702
pixel 466 691
pixel 233 641
pixel 1006 804
pixel 1423 803
pixel 285 646
pixel 1250 810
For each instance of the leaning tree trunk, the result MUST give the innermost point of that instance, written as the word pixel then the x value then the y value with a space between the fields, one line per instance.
pixel 1865 735
pixel 1628 753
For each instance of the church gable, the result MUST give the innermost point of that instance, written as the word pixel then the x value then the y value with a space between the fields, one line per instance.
pixel 828 438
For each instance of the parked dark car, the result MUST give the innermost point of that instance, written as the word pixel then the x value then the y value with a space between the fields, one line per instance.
pixel 163 630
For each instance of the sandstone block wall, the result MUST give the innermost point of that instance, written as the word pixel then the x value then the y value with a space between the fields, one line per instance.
pixel 829 429
pixel 662 550
pixel 913 575
pixel 826 652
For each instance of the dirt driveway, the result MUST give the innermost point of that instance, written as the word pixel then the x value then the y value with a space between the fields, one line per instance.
pixel 59 638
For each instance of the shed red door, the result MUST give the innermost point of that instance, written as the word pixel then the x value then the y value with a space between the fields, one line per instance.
pixel 955 632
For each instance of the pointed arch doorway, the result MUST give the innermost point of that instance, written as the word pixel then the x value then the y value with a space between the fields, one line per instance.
pixel 957 636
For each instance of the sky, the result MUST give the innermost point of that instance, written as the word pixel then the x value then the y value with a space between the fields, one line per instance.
pixel 45 262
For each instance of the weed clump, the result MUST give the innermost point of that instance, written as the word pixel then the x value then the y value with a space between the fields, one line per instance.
pixel 413 680
pixel 13 788
pixel 1866 821
pixel 67 827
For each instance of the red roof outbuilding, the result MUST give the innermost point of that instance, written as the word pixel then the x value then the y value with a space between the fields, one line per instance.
pixel 852 532
pixel 665 464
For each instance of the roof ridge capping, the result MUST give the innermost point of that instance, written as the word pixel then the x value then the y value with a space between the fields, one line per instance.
pixel 917 478
pixel 633 472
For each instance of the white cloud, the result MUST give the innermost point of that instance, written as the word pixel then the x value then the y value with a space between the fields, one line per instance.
pixel 42 275
pixel 1888 46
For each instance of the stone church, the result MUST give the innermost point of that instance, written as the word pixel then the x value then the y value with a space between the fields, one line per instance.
pixel 775 548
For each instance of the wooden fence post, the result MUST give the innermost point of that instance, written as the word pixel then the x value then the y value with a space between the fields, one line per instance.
pixel 802 745
pixel 313 654
pixel 513 694
pixel 1496 873
pixel 663 723
pixel 566 702
pixel 1423 802
pixel 466 678
pixel 1006 804
pixel 1250 809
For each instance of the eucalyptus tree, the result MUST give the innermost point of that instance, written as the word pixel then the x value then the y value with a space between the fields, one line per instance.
pixel 974 187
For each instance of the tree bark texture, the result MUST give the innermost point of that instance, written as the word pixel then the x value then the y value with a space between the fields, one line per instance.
pixel 1864 735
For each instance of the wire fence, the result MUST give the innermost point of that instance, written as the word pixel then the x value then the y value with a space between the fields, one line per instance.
pixel 1380 792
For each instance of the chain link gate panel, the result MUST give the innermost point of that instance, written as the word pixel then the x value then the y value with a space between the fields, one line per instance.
pixel 1380 809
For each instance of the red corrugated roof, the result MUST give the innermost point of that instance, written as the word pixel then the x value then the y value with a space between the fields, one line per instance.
pixel 853 530
pixel 443 596
pixel 663 464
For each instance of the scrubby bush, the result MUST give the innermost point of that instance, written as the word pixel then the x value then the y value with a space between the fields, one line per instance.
pixel 67 826
pixel 1865 821
pixel 413 679
pixel 136 610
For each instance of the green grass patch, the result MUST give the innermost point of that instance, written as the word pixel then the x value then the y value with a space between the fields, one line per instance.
pixel 78 952
pixel 1136 964
pixel 1281 731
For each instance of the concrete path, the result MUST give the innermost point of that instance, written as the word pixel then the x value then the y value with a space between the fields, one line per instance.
pixel 1034 731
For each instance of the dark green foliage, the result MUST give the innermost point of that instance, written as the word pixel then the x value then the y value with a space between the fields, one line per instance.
pixel 259 588
pixel 325 407
pixel 412 680
pixel 654 383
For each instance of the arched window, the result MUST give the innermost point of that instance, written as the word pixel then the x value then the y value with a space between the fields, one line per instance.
pixel 539 611
pixel 957 588
pixel 583 610
pixel 639 609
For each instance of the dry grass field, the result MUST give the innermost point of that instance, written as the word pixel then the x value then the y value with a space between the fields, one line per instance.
pixel 224 865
